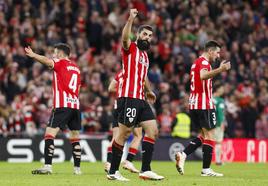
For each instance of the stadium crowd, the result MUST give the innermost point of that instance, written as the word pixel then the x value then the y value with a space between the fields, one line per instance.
pixel 93 29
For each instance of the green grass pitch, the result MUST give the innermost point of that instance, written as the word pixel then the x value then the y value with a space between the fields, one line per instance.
pixel 13 174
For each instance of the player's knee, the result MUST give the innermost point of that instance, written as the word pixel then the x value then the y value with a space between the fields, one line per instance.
pixel 210 136
pixel 74 134
pixel 153 135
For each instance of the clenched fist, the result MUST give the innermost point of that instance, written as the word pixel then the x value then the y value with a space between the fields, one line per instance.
pixel 225 65
pixel 133 13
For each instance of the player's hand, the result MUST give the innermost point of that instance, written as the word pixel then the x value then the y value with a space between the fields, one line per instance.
pixel 151 97
pixel 225 65
pixel 29 52
pixel 133 13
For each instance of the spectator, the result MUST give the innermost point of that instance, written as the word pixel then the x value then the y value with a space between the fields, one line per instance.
pixel 93 29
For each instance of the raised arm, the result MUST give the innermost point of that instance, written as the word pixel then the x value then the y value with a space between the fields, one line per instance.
pixel 205 74
pixel 42 59
pixel 127 29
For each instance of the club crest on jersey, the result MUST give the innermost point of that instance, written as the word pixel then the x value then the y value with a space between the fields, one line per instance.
pixel 204 62
pixel 131 120
pixel 143 61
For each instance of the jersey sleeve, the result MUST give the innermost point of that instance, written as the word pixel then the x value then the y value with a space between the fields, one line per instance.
pixel 205 65
pixel 130 50
pixel 57 64
pixel 117 76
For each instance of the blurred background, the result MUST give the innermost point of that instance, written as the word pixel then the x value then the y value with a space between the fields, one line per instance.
pixel 93 29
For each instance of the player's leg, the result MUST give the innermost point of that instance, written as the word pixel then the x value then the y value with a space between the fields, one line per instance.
pixel 49 137
pixel 208 129
pixel 76 150
pixel 148 123
pixel 133 149
pixel 219 133
pixel 180 157
pixel 117 152
pixel 127 116
pixel 115 129
pixel 74 125
pixel 196 142
pixel 151 132
pixel 107 164
pixel 56 122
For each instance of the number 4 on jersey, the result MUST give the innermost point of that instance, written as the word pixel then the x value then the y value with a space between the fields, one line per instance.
pixel 73 82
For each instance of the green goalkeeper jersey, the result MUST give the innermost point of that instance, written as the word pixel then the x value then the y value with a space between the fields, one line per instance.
pixel 220 106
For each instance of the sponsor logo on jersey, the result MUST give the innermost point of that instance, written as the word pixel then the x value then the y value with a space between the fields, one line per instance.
pixel 143 61
pixel 204 63
pixel 71 100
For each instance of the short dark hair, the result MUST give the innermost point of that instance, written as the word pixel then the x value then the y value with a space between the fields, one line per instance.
pixel 63 47
pixel 147 27
pixel 211 44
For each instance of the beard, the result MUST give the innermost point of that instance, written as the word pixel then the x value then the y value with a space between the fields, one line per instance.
pixel 143 44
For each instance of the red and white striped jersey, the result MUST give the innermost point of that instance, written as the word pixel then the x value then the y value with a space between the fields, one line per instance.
pixel 118 78
pixel 66 84
pixel 200 90
pixel 135 68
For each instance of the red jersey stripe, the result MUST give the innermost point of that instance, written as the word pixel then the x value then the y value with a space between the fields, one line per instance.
pixel 135 68
pixel 200 90
pixel 66 83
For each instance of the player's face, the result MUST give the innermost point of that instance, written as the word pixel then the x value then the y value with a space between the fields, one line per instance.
pixel 144 39
pixel 146 35
pixel 214 54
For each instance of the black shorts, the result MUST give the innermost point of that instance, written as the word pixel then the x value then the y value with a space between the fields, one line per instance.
pixel 131 111
pixel 203 118
pixel 61 117
pixel 115 118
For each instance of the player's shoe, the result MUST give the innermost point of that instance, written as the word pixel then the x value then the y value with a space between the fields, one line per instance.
pixel 77 171
pixel 180 158
pixel 210 172
pixel 46 169
pixel 129 166
pixel 117 176
pixel 107 166
pixel 150 175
